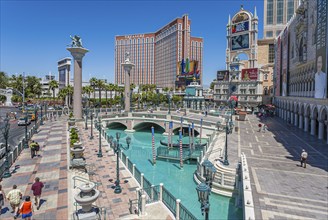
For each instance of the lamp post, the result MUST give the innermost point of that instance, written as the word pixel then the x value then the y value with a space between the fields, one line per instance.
pixel 41 122
pixel 5 132
pixel 169 96
pixel 35 116
pixel 91 134
pixel 226 162
pixel 25 118
pixel 204 189
pixel 99 128
pixel 86 112
pixel 117 148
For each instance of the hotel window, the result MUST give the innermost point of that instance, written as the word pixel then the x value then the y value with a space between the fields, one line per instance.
pixel 271 53
pixel 269 34
pixel 266 76
pixel 280 11
pixel 269 18
pixel 290 9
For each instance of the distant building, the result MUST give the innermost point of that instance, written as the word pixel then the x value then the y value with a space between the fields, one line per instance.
pixel 64 68
pixel 276 15
pixel 46 92
pixel 157 55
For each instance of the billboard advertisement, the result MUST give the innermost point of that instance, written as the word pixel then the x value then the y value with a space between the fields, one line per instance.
pixel 222 75
pixel 320 90
pixel 249 74
pixel 284 60
pixel 188 68
pixel 240 42
pixel 277 68
pixel 240 27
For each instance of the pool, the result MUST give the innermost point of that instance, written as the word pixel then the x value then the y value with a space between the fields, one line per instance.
pixel 178 181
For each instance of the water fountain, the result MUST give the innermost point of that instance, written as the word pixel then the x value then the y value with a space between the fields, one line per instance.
pixel 85 198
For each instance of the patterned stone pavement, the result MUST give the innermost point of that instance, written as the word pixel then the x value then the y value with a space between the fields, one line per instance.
pixel 50 166
pixel 281 188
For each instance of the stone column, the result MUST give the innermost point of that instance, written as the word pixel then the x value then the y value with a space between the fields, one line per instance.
pixel 295 119
pixel 77 53
pixel 127 66
pixel 313 124
pixel 306 123
pixel 321 129
pixel 300 123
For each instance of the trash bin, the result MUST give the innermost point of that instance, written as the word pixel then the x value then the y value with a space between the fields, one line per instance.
pixel 236 129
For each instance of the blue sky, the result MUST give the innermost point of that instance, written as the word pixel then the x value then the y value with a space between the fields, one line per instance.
pixel 34 34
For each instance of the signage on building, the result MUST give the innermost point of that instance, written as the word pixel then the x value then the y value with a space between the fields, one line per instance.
pixel 222 75
pixel 234 67
pixel 240 27
pixel 240 42
pixel 188 69
pixel 134 36
pixel 249 74
pixel 321 83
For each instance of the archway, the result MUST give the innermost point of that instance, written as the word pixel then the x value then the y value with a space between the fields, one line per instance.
pixel 116 125
pixel 146 126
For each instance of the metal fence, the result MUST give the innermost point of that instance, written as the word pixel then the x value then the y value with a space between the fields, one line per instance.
pixel 169 200
pixel 185 214
pixel 130 166
pixel 137 175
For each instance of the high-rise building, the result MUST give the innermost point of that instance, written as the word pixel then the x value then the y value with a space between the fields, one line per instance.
pixel 276 15
pixel 64 68
pixel 157 55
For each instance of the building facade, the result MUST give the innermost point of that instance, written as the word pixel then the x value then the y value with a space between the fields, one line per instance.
pixel 64 69
pixel 300 69
pixel 157 55
pixel 242 78
pixel 45 81
pixel 276 15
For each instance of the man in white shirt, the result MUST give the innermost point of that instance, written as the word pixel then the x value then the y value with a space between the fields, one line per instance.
pixel 304 156
pixel 320 81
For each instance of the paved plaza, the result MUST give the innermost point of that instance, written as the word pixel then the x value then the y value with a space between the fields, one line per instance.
pixel 281 188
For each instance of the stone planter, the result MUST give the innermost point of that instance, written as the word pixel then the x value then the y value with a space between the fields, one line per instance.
pixel 77 151
pixel 87 196
pixel 77 144
pixel 71 122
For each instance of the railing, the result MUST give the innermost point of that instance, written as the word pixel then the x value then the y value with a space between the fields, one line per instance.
pixel 123 158
pixel 83 180
pixel 137 175
pixel 12 156
pixel 130 166
pixel 147 186
pixel 153 194
pixel 185 214
pixel 248 205
pixel 169 200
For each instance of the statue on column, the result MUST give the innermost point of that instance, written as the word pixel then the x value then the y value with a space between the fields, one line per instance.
pixel 127 57
pixel 76 41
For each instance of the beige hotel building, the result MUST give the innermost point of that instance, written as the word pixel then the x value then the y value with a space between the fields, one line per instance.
pixel 156 55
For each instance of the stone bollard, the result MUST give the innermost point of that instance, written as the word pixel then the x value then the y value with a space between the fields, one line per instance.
pixel 161 192
pixel 143 204
pixel 141 180
pixel 177 209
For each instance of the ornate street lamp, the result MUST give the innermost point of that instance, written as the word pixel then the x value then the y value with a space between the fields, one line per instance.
pixel 117 148
pixel 35 117
pixel 99 128
pixel 86 112
pixel 209 172
pixel 91 134
pixel 203 192
pixel 227 130
pixel 5 132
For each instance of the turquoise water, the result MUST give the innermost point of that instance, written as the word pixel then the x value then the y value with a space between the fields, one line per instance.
pixel 178 181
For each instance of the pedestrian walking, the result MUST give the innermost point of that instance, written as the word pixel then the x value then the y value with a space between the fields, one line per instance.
pixel 26 209
pixel 33 146
pixel 265 127
pixel 2 198
pixel 14 196
pixel 304 156
pixel 37 191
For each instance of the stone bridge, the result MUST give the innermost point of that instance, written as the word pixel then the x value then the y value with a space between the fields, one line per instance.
pixel 137 121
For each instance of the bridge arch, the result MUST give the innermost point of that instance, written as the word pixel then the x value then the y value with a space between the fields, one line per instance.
pixel 147 126
pixel 115 125
pixel 184 131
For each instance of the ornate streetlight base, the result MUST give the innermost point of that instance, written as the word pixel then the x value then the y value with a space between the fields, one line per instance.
pixel 226 162
pixel 100 154
pixel 7 174
pixel 118 189
pixel 91 137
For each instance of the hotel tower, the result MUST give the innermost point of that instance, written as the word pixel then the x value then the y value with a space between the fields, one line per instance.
pixel 157 56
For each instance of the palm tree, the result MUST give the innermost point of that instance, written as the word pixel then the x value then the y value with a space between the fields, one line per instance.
pixel 111 88
pixel 4 79
pixel 53 84
pixel 87 90
pixel 93 82
pixel 100 84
